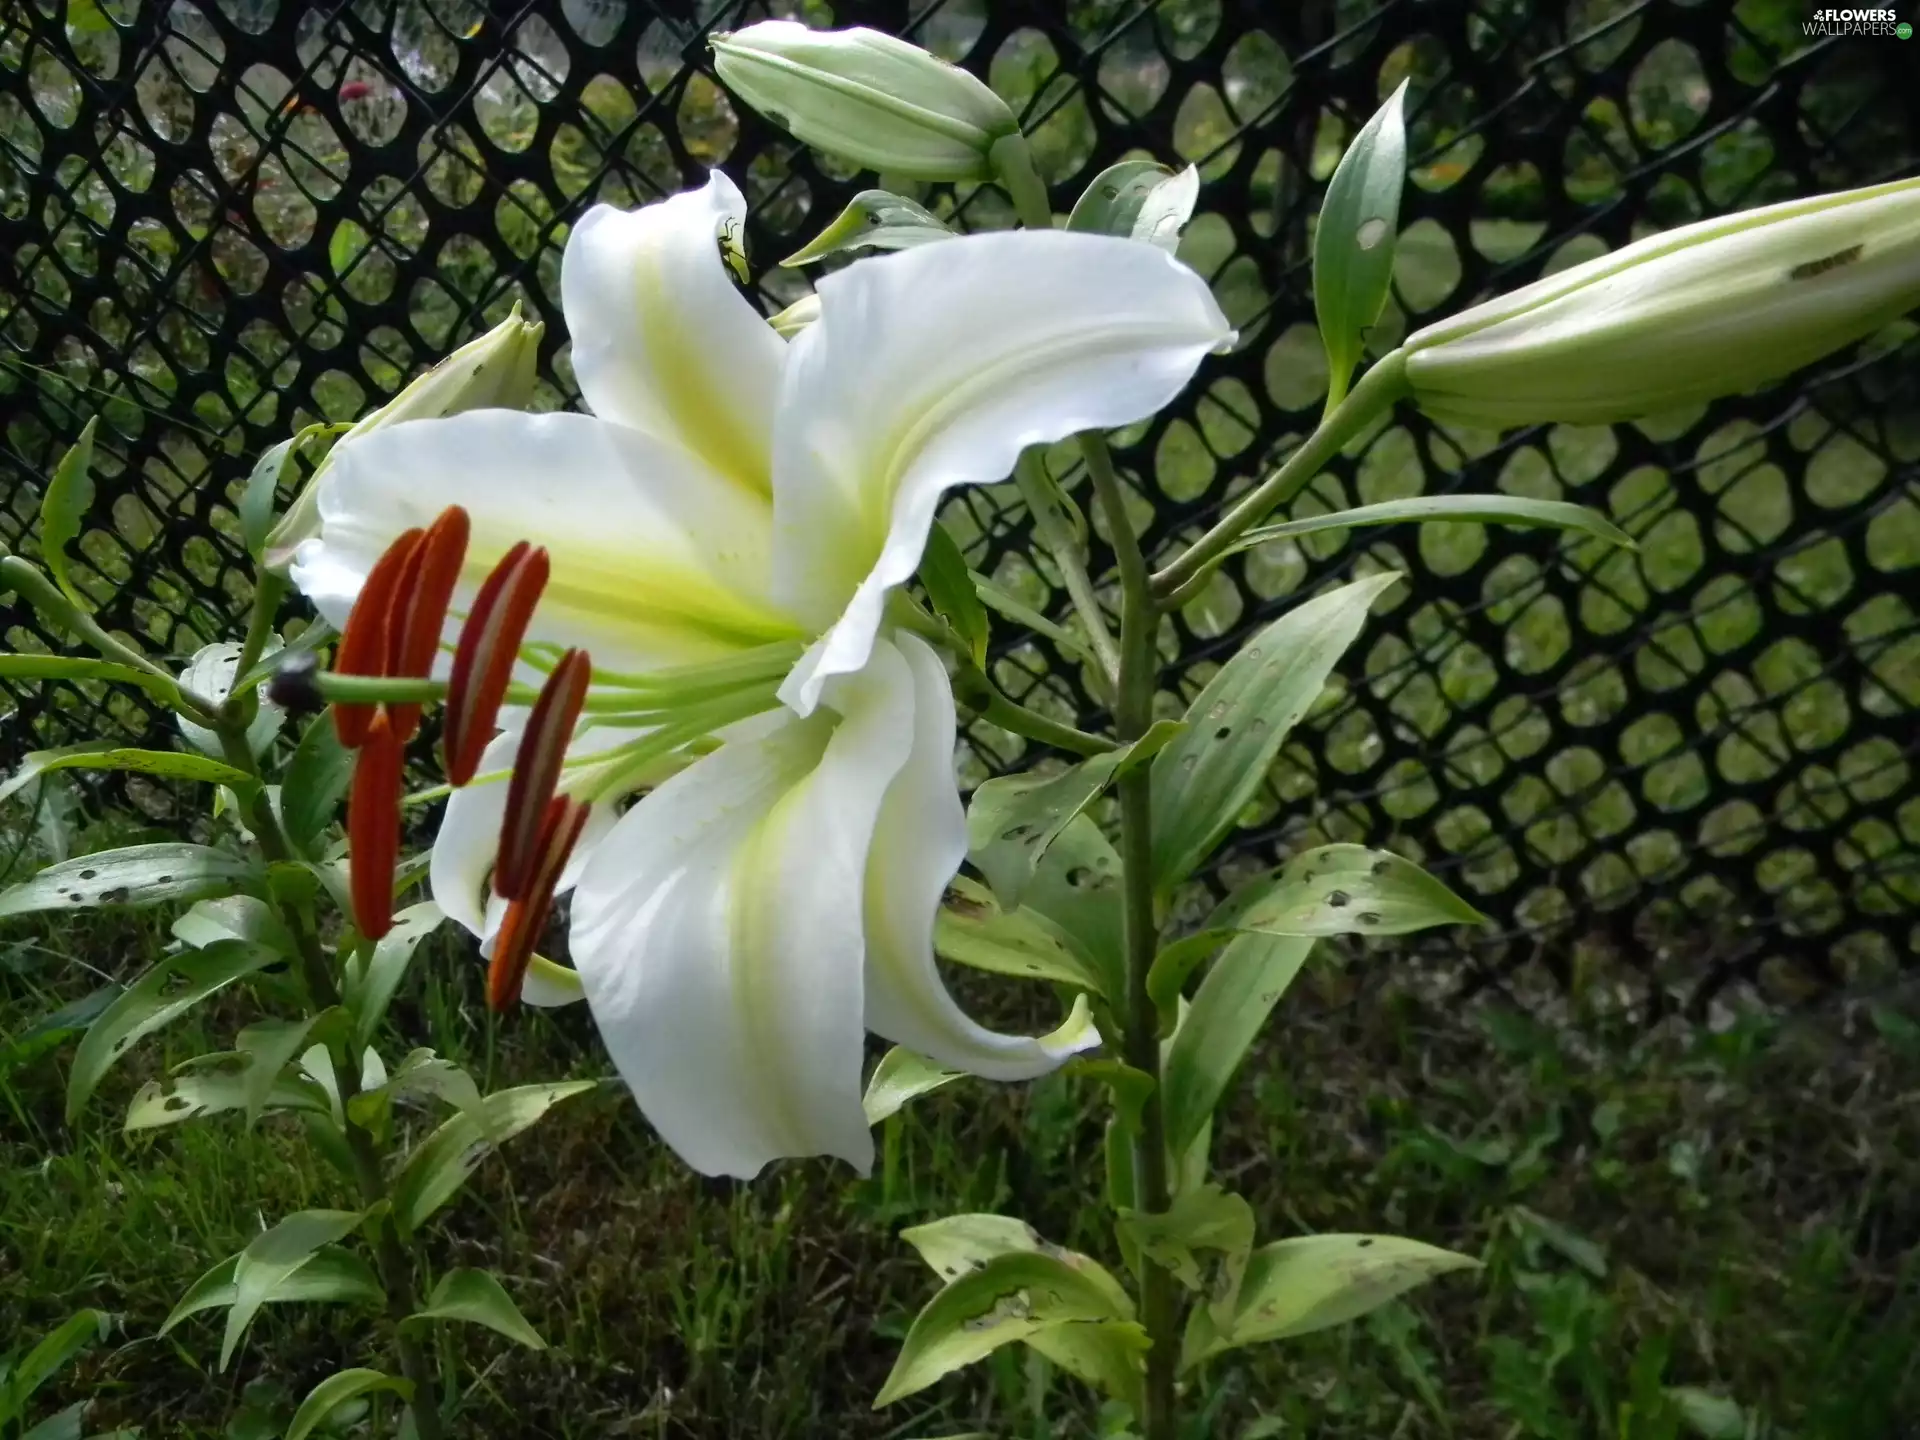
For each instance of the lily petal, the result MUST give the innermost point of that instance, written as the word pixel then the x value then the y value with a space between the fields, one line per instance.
pixel 718 933
pixel 655 559
pixel 918 845
pixel 662 341
pixel 936 367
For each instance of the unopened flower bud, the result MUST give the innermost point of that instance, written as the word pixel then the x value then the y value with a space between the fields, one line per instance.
pixel 494 372
pixel 867 96
pixel 1679 318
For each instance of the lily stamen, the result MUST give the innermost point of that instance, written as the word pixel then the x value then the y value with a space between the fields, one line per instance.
pixel 483 661
pixel 364 642
pixel 526 917
pixel 415 633
pixel 373 825
pixel 536 774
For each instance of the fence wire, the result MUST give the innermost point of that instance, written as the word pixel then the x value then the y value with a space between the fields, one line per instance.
pixel 1673 776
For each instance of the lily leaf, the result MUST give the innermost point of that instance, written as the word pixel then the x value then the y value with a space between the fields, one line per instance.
pixel 1014 1296
pixel 157 998
pixel 1204 1220
pixel 79 667
pixel 901 1076
pixel 949 585
pixel 330 1274
pixel 138 875
pixel 1293 1287
pixel 971 929
pixel 64 509
pixel 1076 886
pixel 477 1297
pixel 1513 510
pixel 49 1356
pixel 1354 239
pixel 233 917
pixel 1013 820
pixel 336 1390
pixel 373 975
pixel 98 755
pixel 314 784
pixel 876 219
pixel 213 1085
pixel 1138 200
pixel 264 1266
pixel 1005 602
pixel 1207 776
pixel 440 1164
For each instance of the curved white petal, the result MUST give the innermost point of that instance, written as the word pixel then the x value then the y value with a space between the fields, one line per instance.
pixel 936 367
pixel 718 933
pixel 918 844
pixel 662 341
pixel 655 559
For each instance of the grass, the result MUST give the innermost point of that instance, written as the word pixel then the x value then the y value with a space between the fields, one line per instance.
pixel 1729 1211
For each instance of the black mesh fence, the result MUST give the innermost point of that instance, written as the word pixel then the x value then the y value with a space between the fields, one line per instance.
pixel 1674 775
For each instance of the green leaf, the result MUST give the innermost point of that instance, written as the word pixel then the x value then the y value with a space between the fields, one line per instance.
pixel 1077 888
pixel 63 510
pixel 971 929
pixel 1204 1220
pixel 1013 821
pixel 233 917
pixel 213 1085
pixel 157 998
pixel 77 667
pixel 1312 1282
pixel 314 784
pixel 67 1424
pixel 476 1297
pixel 372 976
pixel 877 219
pixel 50 1356
pixel 1707 1415
pixel 423 1072
pixel 1207 776
pixel 272 1257
pixel 56 1027
pixel 949 585
pixel 1570 1244
pixel 901 1076
pixel 137 875
pixel 336 1390
pixel 1354 239
pixel 329 1275
pixel 210 674
pixel 441 1163
pixel 1228 1011
pixel 1460 509
pixel 270 1047
pixel 1138 200
pixel 1005 602
pixel 98 755
pixel 262 490
pixel 1015 1296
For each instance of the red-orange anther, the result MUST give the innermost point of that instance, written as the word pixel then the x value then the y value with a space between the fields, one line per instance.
pixel 420 611
pixel 373 826
pixel 526 917
pixel 364 643
pixel 536 773
pixel 483 659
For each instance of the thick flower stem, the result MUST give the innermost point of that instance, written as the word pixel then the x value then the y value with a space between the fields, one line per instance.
pixel 390 1252
pixel 1133 713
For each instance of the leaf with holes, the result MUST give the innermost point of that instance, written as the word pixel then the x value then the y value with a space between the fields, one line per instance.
pixel 476 1297
pixel 1012 821
pixel 874 219
pixel 1019 1295
pixel 971 929
pixel 1077 888
pixel 213 1085
pixel 1512 510
pixel 440 1164
pixel 901 1076
pixel 330 1275
pixel 1227 1012
pixel 314 783
pixel 1138 200
pixel 336 1390
pixel 949 585
pixel 374 973
pixel 1207 776
pixel 138 875
pixel 1294 1287
pixel 1206 1220
pixel 1355 237
pixel 157 998
pixel 96 755
pixel 63 510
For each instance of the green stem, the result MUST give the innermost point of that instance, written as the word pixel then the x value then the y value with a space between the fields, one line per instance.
pixel 995 708
pixel 1012 160
pixel 1056 533
pixel 390 1252
pixel 1140 1037
pixel 267 590
pixel 1379 389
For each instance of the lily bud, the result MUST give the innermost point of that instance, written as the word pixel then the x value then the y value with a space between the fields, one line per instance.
pixel 494 372
pixel 866 96
pixel 1679 318
pixel 796 317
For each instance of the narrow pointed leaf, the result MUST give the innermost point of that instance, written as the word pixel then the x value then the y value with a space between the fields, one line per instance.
pixel 1204 1222
pixel 971 929
pixel 79 667
pixel 232 917
pixel 440 1164
pixel 93 755
pixel 157 998
pixel 336 1390
pixel 423 1073
pixel 1207 776
pixel 1294 1287
pixel 262 489
pixel 1138 200
pixel 269 1048
pixel 1512 510
pixel 373 976
pixel 901 1076
pixel 1076 887
pixel 1005 602
pixel 264 1266
pixel 48 1357
pixel 137 875
pixel 1227 1013
pixel 476 1297
pixel 63 510
pixel 1350 889
pixel 315 783
pixel 874 219
pixel 949 585
pixel 331 1275
pixel 1354 239
pixel 1015 1296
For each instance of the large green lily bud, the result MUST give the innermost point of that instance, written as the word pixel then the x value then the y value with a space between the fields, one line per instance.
pixel 494 372
pixel 1682 317
pixel 869 97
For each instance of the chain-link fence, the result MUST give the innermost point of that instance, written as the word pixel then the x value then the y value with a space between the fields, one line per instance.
pixel 1673 774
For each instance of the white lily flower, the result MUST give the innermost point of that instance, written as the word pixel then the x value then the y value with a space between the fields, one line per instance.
pixel 736 502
